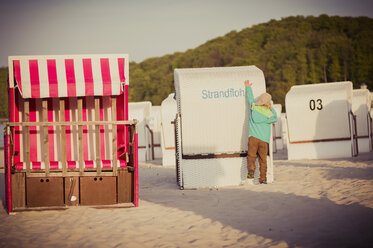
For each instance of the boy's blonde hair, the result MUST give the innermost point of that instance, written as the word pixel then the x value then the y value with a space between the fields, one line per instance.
pixel 264 100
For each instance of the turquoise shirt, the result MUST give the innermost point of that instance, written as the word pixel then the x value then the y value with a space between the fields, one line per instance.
pixel 261 118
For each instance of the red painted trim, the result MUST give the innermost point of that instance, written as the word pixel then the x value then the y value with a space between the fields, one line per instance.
pixel 52 78
pixel 8 180
pixel 15 96
pixel 88 77
pixel 17 73
pixel 122 76
pixel 318 141
pixel 51 130
pixel 68 130
pixel 34 78
pixel 7 153
pixel 106 78
pixel 136 172
pixel 33 131
pixel 126 140
pixel 121 129
pixel 121 68
pixel 70 77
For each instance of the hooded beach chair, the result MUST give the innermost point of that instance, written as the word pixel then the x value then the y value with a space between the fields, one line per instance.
pixel 140 111
pixel 361 104
pixel 155 127
pixel 68 140
pixel 277 130
pixel 212 127
pixel 320 121
pixel 168 115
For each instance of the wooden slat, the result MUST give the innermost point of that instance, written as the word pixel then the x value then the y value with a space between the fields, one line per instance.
pixel 125 186
pixel 45 138
pixel 18 190
pixel 26 108
pixel 97 135
pixel 71 191
pixel 114 131
pixel 63 137
pixel 80 135
pixel 72 123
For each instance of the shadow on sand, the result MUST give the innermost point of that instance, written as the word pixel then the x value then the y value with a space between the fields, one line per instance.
pixel 297 220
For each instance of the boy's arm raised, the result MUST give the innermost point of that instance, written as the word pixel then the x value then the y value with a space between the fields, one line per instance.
pixel 249 92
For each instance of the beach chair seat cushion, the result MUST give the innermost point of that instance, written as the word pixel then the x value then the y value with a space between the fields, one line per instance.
pixel 56 165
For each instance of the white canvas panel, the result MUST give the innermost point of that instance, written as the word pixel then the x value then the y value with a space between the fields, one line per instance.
pixel 141 112
pixel 79 77
pixel 213 107
pixel 168 115
pixel 361 102
pixel 114 74
pixel 61 77
pixel 321 150
pixel 318 111
pixel 25 77
pixel 219 172
pixel 361 105
pixel 43 78
pixel 284 128
pixel 278 127
pixel 155 125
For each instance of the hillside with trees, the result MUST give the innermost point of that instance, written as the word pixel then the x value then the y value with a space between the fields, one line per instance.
pixel 293 50
pixel 3 92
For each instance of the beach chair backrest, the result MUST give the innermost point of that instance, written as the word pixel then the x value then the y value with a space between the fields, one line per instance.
pixel 213 107
pixel 67 88
pixel 168 115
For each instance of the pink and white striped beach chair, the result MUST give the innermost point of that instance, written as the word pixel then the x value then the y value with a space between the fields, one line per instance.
pixel 68 140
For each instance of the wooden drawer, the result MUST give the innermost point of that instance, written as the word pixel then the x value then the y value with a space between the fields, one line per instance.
pixel 98 190
pixel 44 191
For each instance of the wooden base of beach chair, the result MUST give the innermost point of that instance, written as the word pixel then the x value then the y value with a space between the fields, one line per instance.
pixel 54 192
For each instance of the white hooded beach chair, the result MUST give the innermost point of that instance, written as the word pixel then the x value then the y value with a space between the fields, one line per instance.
pixel 320 122
pixel 140 111
pixel 212 127
pixel 277 130
pixel 168 115
pixel 155 132
pixel 361 105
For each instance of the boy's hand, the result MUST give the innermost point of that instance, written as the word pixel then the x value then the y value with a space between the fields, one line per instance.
pixel 247 83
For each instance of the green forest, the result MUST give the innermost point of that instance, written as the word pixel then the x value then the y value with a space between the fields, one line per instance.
pixel 293 50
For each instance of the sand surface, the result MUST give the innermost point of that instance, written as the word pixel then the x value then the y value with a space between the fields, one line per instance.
pixel 312 203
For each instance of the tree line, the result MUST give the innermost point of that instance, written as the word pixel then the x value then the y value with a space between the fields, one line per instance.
pixel 290 51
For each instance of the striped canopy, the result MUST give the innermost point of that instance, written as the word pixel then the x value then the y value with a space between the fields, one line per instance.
pixel 68 75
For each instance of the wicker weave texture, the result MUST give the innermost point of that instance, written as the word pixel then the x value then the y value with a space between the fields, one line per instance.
pixel 213 107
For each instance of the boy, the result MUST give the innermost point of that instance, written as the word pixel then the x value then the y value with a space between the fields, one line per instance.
pixel 262 115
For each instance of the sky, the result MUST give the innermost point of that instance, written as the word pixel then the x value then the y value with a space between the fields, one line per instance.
pixel 142 28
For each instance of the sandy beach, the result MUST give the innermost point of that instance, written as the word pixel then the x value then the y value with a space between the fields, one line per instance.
pixel 312 203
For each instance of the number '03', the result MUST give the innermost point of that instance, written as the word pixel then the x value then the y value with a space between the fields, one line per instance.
pixel 316 104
